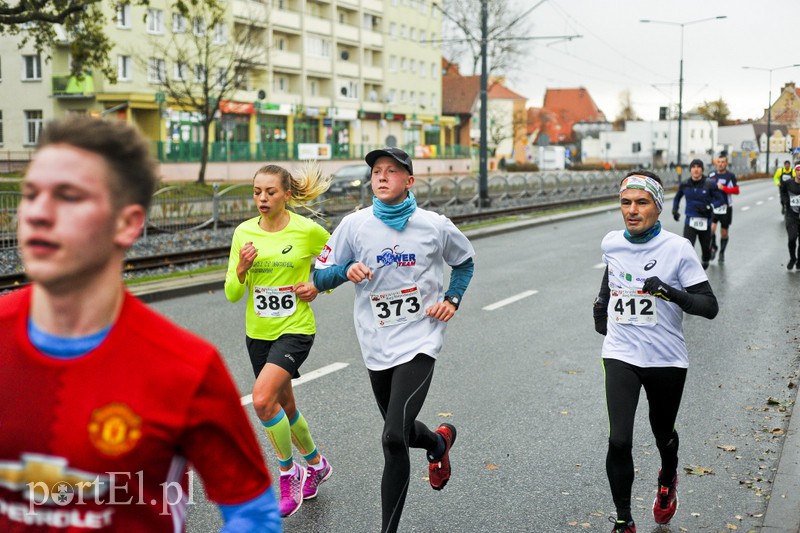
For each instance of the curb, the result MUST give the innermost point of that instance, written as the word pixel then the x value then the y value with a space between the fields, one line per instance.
pixel 783 506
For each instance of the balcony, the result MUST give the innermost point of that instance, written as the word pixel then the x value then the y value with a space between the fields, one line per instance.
pixel 286 19
pixel 286 60
pixel 347 32
pixel 318 64
pixel 318 25
pixel 373 5
pixel 347 68
pixel 249 11
pixel 371 39
pixel 372 73
pixel 72 87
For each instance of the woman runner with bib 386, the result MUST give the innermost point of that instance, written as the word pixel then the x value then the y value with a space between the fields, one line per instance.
pixel 394 253
pixel 270 259
pixel 652 277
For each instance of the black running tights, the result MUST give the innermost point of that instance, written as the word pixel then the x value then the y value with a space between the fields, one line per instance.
pixel 792 226
pixel 705 240
pixel 664 388
pixel 400 392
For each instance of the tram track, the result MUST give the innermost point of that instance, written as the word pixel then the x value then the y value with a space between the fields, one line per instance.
pixel 186 257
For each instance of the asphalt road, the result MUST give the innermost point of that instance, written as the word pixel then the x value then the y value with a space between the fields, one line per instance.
pixel 523 384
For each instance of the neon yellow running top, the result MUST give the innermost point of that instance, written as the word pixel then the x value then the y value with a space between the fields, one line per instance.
pixel 284 259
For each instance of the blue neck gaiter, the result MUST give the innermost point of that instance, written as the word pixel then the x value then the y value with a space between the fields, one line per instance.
pixel 645 235
pixel 395 216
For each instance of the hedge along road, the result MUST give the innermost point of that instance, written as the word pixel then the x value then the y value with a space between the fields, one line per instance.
pixel 520 377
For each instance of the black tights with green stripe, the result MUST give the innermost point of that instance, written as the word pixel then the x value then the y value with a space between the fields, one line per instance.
pixel 664 388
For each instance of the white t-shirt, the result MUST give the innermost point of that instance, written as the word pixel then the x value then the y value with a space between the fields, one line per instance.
pixel 632 336
pixel 407 278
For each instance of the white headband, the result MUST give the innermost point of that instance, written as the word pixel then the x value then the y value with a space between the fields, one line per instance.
pixel 645 183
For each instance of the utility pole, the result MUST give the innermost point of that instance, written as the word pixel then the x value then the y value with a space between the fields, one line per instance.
pixel 483 181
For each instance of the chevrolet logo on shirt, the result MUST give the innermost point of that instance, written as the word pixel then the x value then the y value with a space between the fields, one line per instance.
pixel 41 475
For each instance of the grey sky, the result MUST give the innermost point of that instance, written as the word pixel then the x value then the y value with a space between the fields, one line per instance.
pixel 617 52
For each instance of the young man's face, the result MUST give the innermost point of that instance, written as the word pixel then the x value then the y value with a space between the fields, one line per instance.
pixel 68 227
pixel 696 172
pixel 722 165
pixel 390 180
pixel 639 210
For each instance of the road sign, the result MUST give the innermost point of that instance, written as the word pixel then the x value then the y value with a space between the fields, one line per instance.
pixel 160 97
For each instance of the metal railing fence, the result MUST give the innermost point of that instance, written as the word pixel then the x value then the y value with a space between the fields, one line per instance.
pixel 186 208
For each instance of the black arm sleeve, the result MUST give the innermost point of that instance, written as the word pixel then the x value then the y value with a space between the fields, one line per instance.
pixel 697 300
pixel 605 292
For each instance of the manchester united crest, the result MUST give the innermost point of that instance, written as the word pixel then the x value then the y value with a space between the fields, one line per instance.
pixel 114 429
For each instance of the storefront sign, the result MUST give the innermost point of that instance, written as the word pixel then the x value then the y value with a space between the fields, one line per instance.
pixel 313 151
pixel 236 108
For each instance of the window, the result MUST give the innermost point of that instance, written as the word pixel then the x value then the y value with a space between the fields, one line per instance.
pixel 402 97
pixel 280 43
pixel 178 23
pixel 312 88
pixel 33 126
pixel 412 66
pixel 412 96
pixel 220 33
pixel 392 95
pixel 179 71
pixel 348 89
pixel 318 47
pixel 403 31
pixel 434 71
pixel 281 84
pixel 200 73
pixel 422 7
pixel 1 128
pixel 124 16
pixel 433 40
pixel 392 30
pixel 32 67
pixel 392 63
pixel 155 21
pixel 199 26
pixel 413 34
pixel 222 77
pixel 156 70
pixel 124 68
pixel 433 100
pixel 422 37
pixel 402 64
pixel 422 69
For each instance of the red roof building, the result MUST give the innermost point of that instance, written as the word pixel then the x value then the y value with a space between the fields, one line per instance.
pixel 562 109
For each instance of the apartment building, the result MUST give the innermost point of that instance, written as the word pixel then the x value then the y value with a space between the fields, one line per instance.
pixel 346 74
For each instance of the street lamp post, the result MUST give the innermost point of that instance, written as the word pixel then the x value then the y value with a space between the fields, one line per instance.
pixel 769 103
pixel 680 79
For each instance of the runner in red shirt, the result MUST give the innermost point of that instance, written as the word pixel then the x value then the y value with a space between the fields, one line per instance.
pixel 104 403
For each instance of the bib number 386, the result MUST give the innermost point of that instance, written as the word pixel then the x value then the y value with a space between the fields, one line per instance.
pixel 274 302
pixel 631 306
pixel 399 306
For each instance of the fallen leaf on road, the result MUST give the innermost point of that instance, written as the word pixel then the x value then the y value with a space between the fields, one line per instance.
pixel 773 401
pixel 698 470
pixel 490 466
pixel 696 515
pixel 727 447
pixel 730 526
pixel 444 415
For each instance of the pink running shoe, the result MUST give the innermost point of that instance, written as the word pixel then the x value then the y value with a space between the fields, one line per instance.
pixel 314 478
pixel 292 491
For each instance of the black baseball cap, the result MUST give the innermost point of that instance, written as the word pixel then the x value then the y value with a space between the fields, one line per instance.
pixel 696 162
pixel 395 153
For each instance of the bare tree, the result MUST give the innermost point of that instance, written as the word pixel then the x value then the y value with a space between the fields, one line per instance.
pixel 505 37
pixel 626 111
pixel 79 23
pixel 207 64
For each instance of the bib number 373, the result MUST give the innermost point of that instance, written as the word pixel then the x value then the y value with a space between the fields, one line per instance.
pixel 631 306
pixel 399 306
pixel 274 302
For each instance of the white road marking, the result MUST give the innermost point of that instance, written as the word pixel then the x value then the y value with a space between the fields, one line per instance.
pixel 770 198
pixel 512 299
pixel 745 208
pixel 305 378
pixel 599 266
pixel 760 202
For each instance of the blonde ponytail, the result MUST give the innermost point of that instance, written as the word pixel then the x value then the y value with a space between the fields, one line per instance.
pixel 308 185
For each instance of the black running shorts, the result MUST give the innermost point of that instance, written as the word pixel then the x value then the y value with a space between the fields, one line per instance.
pixel 288 351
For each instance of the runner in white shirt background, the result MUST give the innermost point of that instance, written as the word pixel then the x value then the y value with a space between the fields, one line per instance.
pixel 394 252
pixel 652 277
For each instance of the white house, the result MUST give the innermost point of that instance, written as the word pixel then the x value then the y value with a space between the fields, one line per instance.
pixel 653 143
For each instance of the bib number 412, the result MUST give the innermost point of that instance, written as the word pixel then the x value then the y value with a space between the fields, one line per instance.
pixel 631 306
